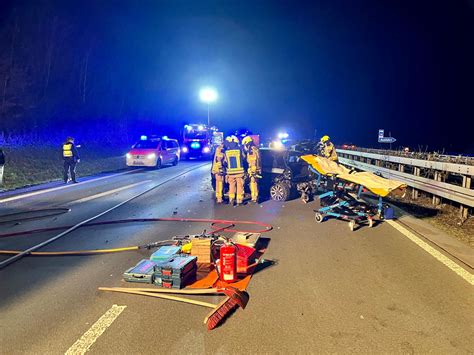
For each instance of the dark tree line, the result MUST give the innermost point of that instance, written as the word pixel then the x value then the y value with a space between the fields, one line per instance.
pixel 54 73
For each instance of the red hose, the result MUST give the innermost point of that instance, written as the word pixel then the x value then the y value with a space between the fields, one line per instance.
pixel 214 225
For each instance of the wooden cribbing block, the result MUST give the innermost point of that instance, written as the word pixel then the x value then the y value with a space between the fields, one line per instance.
pixel 201 247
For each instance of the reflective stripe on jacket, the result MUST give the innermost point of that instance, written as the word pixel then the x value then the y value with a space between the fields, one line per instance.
pixel 67 150
pixel 233 158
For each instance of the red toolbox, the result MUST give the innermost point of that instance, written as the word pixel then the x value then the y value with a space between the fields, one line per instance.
pixel 245 257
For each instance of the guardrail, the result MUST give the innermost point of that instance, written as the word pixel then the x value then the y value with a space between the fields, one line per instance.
pixel 440 177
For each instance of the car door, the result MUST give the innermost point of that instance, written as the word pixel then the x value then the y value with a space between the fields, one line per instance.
pixel 173 149
pixel 165 156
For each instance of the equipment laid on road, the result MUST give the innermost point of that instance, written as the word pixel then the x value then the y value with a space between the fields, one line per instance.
pixel 143 272
pixel 146 270
pixel 234 298
pixel 165 253
pixel 343 190
pixel 176 272
pixel 228 262
pixel 245 257
pixel 201 248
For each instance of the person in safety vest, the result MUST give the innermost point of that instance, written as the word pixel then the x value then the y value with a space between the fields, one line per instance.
pixel 218 171
pixel 71 158
pixel 328 150
pixel 254 167
pixel 234 168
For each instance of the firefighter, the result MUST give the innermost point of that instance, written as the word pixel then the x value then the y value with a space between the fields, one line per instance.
pixel 254 168
pixel 71 158
pixel 328 150
pixel 219 172
pixel 234 169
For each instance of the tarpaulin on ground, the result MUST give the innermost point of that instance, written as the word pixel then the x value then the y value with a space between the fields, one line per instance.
pixel 374 183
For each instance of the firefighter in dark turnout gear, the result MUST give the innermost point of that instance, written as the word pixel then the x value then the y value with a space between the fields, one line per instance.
pixel 71 158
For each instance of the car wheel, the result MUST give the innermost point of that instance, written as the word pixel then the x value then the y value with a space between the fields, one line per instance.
pixel 175 161
pixel 280 192
pixel 158 163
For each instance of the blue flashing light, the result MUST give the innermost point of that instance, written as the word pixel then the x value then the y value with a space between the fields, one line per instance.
pixel 143 138
pixel 200 128
pixel 165 137
pixel 195 145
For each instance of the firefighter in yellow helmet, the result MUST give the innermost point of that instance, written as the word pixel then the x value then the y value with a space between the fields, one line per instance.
pixel 234 168
pixel 70 158
pixel 254 170
pixel 328 150
pixel 218 170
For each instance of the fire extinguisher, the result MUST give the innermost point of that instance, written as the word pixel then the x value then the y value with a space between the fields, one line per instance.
pixel 228 263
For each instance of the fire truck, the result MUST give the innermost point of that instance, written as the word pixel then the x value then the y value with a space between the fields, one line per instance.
pixel 200 141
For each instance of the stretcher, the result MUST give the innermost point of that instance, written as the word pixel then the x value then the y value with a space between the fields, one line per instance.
pixel 343 188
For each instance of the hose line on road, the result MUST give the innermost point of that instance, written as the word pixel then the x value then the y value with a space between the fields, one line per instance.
pixel 16 257
pixel 90 252
pixel 229 226
pixel 215 223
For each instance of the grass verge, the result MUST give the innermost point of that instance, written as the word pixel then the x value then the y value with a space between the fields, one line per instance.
pixel 33 165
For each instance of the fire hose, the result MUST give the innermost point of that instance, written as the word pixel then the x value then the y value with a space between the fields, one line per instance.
pixel 19 254
pixel 229 226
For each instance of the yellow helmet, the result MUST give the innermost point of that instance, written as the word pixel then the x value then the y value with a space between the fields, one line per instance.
pixel 247 140
pixel 233 139
pixel 324 139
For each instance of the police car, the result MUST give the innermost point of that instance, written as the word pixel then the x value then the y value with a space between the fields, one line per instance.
pixel 154 152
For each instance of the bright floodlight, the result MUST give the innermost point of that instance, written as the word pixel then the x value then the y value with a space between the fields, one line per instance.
pixel 208 94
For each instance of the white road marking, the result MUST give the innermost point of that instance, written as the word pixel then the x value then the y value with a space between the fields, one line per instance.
pixel 106 193
pixel 39 192
pixel 466 275
pixel 82 345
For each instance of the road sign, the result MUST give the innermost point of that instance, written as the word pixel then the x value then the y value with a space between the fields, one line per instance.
pixel 381 133
pixel 386 140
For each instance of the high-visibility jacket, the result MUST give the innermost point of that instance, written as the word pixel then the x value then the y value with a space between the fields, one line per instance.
pixel 329 151
pixel 253 160
pixel 218 161
pixel 234 163
pixel 67 150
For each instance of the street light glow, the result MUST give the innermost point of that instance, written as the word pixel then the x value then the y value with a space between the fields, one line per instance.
pixel 208 95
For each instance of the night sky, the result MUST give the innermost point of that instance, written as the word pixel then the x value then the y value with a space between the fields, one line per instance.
pixel 343 68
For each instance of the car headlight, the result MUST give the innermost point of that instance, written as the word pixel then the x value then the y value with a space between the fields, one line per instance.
pixel 128 155
pixel 151 156
pixel 206 150
pixel 184 149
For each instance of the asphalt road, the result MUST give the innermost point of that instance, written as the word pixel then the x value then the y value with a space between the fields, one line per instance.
pixel 330 290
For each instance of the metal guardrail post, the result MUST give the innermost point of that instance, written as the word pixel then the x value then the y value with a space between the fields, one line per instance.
pixel 437 199
pixel 466 183
pixel 414 192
